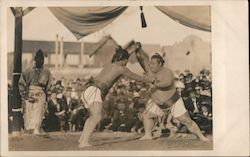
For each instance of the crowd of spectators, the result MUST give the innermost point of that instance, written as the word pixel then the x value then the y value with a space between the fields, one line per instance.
pixel 196 91
pixel 66 112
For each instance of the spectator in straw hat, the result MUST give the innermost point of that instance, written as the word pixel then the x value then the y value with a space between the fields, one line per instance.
pixel 123 119
pixel 62 112
pixel 191 103
pixel 52 120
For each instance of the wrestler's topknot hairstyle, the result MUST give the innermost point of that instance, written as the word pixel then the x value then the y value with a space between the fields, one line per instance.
pixel 39 55
pixel 159 58
pixel 120 54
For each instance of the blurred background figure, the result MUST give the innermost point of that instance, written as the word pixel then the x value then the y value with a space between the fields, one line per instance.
pixel 52 121
pixel 62 111
pixel 123 119
pixel 78 114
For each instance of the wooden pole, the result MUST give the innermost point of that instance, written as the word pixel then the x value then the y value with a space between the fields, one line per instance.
pixel 17 70
pixel 49 59
pixel 56 52
pixel 81 62
pixel 61 53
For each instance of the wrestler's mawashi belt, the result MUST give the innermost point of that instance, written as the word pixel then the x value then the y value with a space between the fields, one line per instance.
pixel 170 101
pixel 166 88
pixel 103 87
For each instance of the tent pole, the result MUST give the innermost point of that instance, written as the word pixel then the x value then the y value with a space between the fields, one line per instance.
pixel 17 70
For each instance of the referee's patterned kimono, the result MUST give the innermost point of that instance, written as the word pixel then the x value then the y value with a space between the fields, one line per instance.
pixel 34 83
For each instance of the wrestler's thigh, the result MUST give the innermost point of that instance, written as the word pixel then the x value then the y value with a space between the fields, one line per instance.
pixel 96 108
pixel 185 119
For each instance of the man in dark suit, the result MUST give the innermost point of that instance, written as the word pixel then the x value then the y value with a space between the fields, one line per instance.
pixel 123 119
pixel 200 109
pixel 201 98
pixel 52 121
pixel 191 103
pixel 194 102
pixel 62 113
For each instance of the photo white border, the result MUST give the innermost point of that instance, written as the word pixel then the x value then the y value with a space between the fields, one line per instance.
pixel 229 69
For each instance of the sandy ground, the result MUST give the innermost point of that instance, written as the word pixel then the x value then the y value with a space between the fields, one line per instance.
pixel 105 141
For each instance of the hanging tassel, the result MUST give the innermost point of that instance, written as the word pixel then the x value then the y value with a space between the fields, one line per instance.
pixel 143 21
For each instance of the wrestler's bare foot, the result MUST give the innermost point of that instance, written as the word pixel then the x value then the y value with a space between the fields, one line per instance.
pixel 146 137
pixel 84 144
pixel 36 132
pixel 80 139
pixel 157 134
pixel 172 135
pixel 203 138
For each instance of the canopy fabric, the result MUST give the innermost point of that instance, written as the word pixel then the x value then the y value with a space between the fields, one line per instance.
pixel 82 21
pixel 197 17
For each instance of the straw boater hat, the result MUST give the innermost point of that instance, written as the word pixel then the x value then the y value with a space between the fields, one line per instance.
pixel 136 95
pixel 180 84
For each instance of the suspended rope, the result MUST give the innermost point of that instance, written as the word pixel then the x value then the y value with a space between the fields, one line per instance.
pixel 143 21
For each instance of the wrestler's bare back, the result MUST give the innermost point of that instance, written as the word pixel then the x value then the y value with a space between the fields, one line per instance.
pixel 109 74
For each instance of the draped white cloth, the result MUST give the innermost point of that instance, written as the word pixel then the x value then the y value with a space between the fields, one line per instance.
pixel 82 21
pixel 197 17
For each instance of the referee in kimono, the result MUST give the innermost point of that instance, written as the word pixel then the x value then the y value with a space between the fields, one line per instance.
pixel 34 85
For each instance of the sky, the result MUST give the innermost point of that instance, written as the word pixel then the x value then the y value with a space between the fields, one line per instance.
pixel 41 24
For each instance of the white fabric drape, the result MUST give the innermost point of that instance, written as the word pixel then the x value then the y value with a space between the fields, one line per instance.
pixel 197 17
pixel 82 21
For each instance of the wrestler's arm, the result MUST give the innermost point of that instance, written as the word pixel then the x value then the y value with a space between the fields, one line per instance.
pixel 126 72
pixel 142 60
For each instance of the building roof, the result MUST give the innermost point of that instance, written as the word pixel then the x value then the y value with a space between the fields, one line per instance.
pixel 31 46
